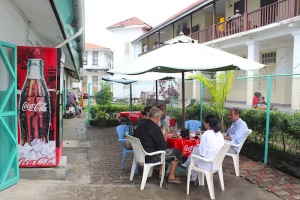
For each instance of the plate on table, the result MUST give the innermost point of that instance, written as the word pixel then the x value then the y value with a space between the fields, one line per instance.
pixel 175 136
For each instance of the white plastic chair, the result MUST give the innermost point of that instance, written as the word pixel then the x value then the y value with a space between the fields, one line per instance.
pixel 216 167
pixel 236 157
pixel 139 158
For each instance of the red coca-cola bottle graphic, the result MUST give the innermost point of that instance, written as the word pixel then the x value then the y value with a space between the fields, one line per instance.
pixel 35 108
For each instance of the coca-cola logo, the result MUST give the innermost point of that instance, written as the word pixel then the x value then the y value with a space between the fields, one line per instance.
pixel 188 148
pixel 36 107
pixel 136 115
pixel 43 161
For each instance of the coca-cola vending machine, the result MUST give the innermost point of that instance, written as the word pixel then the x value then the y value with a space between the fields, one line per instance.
pixel 40 131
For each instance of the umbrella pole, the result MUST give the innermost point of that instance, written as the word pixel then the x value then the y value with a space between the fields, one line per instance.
pixel 130 97
pixel 156 93
pixel 183 98
pixel 201 102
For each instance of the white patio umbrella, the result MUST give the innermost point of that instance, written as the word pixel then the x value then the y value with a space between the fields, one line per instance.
pixel 182 54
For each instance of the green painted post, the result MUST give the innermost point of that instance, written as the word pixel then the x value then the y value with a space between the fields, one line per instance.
pixel 267 121
pixel 201 101
pixel 130 98
pixel 89 105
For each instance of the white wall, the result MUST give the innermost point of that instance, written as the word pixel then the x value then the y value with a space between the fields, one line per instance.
pixel 121 36
pixel 105 58
pixel 122 91
pixel 14 27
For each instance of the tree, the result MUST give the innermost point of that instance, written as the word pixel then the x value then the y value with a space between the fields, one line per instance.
pixel 219 87
pixel 167 89
pixel 105 95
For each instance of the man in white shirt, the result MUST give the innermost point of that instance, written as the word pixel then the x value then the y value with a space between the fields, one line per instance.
pixel 237 131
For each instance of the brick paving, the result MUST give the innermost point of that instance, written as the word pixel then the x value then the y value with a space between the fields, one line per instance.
pixel 105 157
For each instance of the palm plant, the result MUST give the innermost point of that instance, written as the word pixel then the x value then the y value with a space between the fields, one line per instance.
pixel 219 87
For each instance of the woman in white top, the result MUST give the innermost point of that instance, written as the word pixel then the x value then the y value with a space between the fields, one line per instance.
pixel 211 143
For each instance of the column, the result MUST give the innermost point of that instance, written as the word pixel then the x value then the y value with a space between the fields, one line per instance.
pixel 253 54
pixel 296 70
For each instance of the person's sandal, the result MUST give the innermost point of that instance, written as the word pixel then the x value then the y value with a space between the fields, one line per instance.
pixel 175 181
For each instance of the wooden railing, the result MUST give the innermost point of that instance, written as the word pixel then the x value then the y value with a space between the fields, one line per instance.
pixel 275 12
pixel 203 35
pixel 269 14
pixel 266 15
pixel 297 8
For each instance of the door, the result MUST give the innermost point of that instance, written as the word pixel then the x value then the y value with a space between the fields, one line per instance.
pixel 9 165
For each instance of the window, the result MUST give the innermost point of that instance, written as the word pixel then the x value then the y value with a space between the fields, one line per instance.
pixel 84 59
pixel 126 48
pixel 84 84
pixel 95 84
pixel 95 57
pixel 267 58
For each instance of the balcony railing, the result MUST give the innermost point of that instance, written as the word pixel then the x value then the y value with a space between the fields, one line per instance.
pixel 272 13
pixel 266 15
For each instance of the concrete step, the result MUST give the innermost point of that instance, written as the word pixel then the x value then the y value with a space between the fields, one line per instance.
pixel 53 173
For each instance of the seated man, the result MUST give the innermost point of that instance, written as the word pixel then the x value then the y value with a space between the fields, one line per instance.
pixel 152 139
pixel 237 131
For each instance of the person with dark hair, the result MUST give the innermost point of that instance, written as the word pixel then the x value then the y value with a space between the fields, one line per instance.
pixel 152 139
pixel 237 131
pixel 145 113
pixel 257 102
pixel 211 143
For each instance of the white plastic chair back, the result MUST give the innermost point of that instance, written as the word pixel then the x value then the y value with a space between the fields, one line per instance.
pixel 218 160
pixel 139 158
pixel 236 156
pixel 242 143
pixel 217 167
pixel 139 152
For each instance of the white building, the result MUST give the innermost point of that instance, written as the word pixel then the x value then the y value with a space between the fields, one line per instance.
pixel 97 60
pixel 124 33
pixel 267 31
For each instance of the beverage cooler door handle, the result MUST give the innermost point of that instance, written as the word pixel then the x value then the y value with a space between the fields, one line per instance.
pixel 54 90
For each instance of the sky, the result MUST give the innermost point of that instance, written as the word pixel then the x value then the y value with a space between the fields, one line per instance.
pixel 100 14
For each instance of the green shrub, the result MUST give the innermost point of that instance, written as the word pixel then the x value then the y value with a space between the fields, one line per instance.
pixel 105 95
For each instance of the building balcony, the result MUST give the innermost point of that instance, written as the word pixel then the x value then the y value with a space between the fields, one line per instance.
pixel 272 13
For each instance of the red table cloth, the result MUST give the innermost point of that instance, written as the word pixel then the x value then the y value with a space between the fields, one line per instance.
pixel 133 116
pixel 184 145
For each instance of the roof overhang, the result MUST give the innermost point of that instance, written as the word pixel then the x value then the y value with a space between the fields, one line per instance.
pixel 54 21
